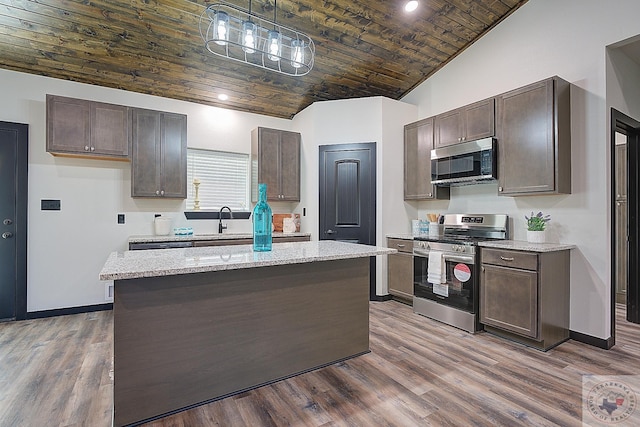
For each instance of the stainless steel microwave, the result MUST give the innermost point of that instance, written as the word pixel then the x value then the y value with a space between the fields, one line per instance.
pixel 465 163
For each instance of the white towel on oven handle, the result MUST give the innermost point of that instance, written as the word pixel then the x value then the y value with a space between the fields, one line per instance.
pixel 436 269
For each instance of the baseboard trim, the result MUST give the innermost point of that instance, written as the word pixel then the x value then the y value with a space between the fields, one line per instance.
pixel 594 341
pixel 381 297
pixel 66 311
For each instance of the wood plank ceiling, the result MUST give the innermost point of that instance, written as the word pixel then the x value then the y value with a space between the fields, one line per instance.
pixel 363 47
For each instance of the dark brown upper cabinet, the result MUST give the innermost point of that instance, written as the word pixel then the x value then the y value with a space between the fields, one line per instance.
pixel 468 123
pixel 159 154
pixel 418 143
pixel 277 153
pixel 534 139
pixel 82 128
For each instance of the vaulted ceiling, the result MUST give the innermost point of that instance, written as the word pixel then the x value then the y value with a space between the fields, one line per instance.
pixel 363 47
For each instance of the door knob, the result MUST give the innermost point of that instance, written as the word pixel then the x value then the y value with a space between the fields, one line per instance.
pixel 330 232
pixel 7 222
pixel 7 235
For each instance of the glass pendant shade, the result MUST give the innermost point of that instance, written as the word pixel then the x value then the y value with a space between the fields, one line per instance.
pixel 274 45
pixel 221 28
pixel 297 53
pixel 249 32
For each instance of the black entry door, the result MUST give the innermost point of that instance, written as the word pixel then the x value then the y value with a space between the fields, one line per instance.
pixel 13 220
pixel 348 195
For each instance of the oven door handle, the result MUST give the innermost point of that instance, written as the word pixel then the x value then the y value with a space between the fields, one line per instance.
pixel 455 258
pixel 458 258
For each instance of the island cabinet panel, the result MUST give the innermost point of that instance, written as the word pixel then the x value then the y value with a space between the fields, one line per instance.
pixel 277 154
pixel 400 269
pixel 82 128
pixel 468 123
pixel 418 143
pixel 524 296
pixel 184 340
pixel 534 139
pixel 159 154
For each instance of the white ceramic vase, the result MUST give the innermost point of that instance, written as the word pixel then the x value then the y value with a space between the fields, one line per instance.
pixel 536 236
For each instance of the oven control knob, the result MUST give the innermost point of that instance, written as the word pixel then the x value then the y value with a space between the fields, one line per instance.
pixel 462 249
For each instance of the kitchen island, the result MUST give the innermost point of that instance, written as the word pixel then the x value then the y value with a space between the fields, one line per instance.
pixel 194 325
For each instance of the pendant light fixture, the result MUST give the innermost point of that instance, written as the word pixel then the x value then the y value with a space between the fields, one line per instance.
pixel 297 53
pixel 274 40
pixel 238 34
pixel 221 28
pixel 249 30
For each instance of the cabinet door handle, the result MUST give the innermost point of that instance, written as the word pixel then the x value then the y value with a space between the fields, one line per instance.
pixel 429 195
pixel 86 148
pixel 157 192
pixel 401 245
pixel 93 148
pixel 504 258
pixel 499 188
pixel 162 192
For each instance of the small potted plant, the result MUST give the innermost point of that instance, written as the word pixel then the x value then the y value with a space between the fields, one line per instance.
pixel 536 225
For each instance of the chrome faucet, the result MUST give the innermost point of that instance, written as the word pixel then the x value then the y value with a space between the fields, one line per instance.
pixel 220 226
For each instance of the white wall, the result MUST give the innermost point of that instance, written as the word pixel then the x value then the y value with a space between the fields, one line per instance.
pixel 67 249
pixel 541 39
pixel 623 80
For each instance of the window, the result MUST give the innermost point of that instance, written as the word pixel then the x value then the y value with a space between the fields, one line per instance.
pixel 224 179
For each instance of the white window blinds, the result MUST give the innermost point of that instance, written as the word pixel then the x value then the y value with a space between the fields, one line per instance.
pixel 224 179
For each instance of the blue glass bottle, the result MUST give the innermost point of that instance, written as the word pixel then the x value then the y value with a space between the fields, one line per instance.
pixel 262 221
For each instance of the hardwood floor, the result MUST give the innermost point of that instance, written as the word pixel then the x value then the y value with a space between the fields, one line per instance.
pixel 57 372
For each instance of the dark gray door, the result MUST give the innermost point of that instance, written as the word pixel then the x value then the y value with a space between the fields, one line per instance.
pixel 13 220
pixel 348 195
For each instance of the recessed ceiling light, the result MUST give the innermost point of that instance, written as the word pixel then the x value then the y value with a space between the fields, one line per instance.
pixel 223 97
pixel 411 6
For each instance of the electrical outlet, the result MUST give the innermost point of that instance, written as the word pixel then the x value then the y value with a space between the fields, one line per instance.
pixel 49 205
pixel 108 291
pixel 120 218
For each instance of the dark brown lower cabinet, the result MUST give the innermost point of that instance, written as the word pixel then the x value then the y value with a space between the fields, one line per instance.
pixel 524 296
pixel 400 269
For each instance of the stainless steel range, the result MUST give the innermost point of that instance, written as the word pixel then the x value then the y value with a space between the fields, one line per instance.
pixel 446 268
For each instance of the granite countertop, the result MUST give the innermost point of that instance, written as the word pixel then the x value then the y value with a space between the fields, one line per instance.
pixel 214 236
pixel 168 262
pixel 519 245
